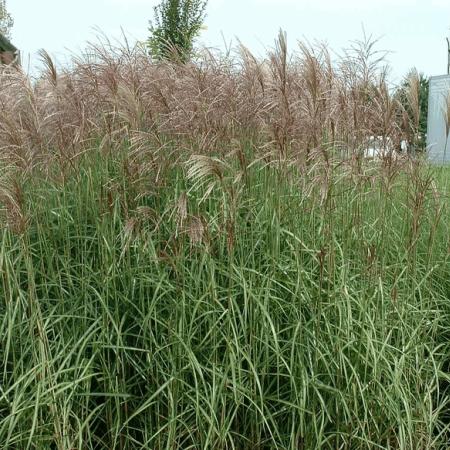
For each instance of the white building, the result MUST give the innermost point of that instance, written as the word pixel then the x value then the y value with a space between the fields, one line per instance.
pixel 438 135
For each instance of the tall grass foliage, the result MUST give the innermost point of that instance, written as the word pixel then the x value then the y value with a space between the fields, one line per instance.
pixel 199 256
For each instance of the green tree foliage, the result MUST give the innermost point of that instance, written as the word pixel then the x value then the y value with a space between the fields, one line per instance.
pixel 413 95
pixel 6 21
pixel 423 103
pixel 176 25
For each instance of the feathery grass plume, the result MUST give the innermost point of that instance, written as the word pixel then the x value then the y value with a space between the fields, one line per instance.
pixel 413 97
pixel 409 98
pixel 181 211
pixel 281 119
pixel 447 124
pixel 128 107
pixel 385 112
pixel 13 210
pixel 49 67
pixel 205 169
pixel 359 68
pixel 196 228
pixel 293 100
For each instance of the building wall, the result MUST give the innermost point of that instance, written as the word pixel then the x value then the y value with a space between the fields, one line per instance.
pixel 438 142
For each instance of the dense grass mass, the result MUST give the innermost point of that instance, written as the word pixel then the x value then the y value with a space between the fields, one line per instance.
pixel 267 315
pixel 199 257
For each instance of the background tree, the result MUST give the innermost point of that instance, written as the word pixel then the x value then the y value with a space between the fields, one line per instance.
pixel 176 25
pixel 423 103
pixel 413 96
pixel 6 21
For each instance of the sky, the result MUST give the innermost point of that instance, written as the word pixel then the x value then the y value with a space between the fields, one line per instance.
pixel 412 31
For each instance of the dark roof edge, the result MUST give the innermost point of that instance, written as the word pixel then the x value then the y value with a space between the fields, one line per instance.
pixel 6 45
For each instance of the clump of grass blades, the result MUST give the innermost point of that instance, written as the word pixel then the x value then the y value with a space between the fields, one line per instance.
pixel 198 256
pixel 225 311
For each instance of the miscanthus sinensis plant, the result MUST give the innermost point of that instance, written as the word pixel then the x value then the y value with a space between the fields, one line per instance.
pixel 198 256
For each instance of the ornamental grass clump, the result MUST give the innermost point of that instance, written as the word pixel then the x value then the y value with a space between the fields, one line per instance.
pixel 200 256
